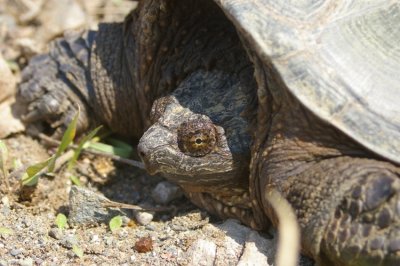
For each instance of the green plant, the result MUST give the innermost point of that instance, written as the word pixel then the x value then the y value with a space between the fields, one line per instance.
pixel 117 148
pixel 115 223
pixel 5 231
pixel 61 221
pixel 66 140
pixel 32 173
pixel 75 180
pixel 84 143
pixel 77 250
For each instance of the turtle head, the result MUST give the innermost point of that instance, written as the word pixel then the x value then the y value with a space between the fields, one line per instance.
pixel 188 148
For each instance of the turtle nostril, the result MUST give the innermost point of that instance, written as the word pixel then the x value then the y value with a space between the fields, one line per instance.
pixel 142 151
pixel 145 156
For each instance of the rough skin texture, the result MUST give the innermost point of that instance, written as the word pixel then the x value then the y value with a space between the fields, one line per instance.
pixel 228 133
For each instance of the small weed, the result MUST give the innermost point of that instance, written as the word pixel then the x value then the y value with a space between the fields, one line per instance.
pixel 75 180
pixel 66 140
pixel 61 221
pixel 5 231
pixel 115 223
pixel 77 250
pixel 84 143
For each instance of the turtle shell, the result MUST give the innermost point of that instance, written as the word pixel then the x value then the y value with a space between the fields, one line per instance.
pixel 340 59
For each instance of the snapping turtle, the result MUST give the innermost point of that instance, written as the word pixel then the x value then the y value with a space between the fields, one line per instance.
pixel 234 98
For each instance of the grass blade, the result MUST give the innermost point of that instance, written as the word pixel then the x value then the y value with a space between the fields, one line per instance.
pixel 77 250
pixel 67 138
pixel 82 144
pixel 75 180
pixel 31 176
pixel 122 151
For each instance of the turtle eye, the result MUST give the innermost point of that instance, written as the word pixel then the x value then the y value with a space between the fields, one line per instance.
pixel 196 138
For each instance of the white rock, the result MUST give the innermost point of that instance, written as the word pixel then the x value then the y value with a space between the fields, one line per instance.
pixel 232 247
pixel 58 16
pixel 256 250
pixel 26 262
pixel 201 252
pixel 7 80
pixel 9 122
pixel 144 218
pixel 165 192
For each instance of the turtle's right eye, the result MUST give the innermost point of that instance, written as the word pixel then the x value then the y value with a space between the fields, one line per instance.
pixel 197 138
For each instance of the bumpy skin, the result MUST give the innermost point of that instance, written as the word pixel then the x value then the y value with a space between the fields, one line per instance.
pixel 346 199
pixel 55 84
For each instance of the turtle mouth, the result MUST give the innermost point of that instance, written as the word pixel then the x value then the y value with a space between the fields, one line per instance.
pixel 150 167
pixel 178 166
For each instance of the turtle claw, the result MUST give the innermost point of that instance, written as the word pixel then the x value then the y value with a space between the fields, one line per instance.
pixel 366 229
pixel 32 117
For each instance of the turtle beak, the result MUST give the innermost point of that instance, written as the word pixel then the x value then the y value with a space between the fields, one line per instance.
pixel 145 154
pixel 153 149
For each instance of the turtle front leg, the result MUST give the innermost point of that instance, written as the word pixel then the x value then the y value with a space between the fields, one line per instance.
pixel 348 210
pixel 364 227
pixel 346 199
pixel 56 84
pixel 91 71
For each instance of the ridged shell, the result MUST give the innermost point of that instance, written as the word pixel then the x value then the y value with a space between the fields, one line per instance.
pixel 339 58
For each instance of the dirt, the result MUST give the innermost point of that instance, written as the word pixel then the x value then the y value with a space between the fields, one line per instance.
pixel 183 235
pixel 35 239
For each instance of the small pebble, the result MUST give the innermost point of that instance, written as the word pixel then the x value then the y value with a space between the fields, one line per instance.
pixel 125 220
pixel 95 238
pixel 109 241
pixel 3 263
pixel 5 211
pixel 144 244
pixel 15 252
pixel 26 262
pixel 68 241
pixel 71 254
pixel 151 227
pixel 165 192
pixel 56 233
pixel 5 201
pixel 42 241
pixel 144 218
pixel 26 222
pixel 202 252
